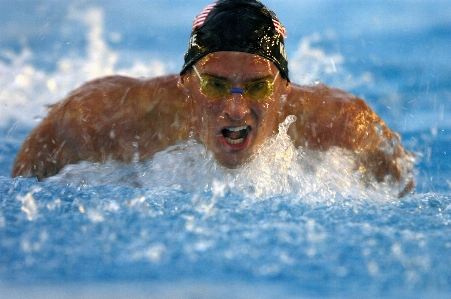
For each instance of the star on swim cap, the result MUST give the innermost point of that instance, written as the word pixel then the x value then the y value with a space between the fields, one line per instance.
pixel 238 25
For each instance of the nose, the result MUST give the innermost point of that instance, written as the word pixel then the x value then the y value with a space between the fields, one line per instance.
pixel 236 107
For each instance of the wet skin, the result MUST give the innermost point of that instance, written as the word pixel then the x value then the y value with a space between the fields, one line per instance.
pixel 234 126
pixel 120 118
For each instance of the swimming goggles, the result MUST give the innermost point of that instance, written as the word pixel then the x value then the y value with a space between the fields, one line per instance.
pixel 216 88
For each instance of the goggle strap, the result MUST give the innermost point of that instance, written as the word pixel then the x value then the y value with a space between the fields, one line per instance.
pixel 197 73
pixel 277 75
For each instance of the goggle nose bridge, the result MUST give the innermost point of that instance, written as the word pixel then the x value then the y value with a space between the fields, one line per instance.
pixel 237 90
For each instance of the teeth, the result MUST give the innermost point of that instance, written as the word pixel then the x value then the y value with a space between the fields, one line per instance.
pixel 231 134
pixel 234 141
pixel 236 129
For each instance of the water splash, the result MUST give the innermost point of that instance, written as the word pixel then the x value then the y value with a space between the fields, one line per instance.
pixel 26 89
pixel 278 168
pixel 312 64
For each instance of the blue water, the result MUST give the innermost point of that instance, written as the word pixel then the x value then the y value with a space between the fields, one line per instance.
pixel 112 231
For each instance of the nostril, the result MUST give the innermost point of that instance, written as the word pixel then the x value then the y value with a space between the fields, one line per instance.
pixel 236 108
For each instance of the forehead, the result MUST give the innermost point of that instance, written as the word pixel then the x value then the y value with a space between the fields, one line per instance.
pixel 236 64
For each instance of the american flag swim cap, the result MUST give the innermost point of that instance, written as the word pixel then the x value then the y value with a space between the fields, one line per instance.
pixel 238 25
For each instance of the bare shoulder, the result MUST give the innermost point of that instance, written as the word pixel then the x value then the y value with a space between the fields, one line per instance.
pixel 118 109
pixel 114 117
pixel 112 94
pixel 329 117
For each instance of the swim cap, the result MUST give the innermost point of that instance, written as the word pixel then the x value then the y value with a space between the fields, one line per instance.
pixel 238 25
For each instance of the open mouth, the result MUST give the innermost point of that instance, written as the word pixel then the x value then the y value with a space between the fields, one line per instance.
pixel 236 135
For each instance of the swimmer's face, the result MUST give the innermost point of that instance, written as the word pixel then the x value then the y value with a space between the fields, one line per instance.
pixel 234 125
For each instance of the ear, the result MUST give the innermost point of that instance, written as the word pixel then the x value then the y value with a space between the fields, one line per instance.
pixel 287 87
pixel 183 83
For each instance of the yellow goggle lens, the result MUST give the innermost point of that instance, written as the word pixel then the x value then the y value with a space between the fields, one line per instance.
pixel 216 88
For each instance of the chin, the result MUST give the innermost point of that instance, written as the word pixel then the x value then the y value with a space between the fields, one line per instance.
pixel 232 162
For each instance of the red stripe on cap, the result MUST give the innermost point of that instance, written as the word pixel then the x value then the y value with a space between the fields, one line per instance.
pixel 280 28
pixel 200 19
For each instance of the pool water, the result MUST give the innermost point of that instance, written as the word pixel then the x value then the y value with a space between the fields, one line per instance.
pixel 300 224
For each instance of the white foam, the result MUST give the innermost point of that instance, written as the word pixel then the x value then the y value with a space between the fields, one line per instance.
pixel 29 206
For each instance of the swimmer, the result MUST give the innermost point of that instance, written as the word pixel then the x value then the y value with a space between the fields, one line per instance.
pixel 232 92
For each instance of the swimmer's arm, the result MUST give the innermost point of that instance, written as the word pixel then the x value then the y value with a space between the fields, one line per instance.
pixel 112 118
pixel 331 117
pixel 41 154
